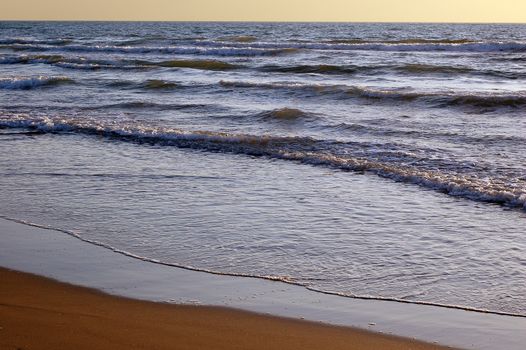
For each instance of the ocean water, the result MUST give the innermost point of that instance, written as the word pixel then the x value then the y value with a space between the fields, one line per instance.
pixel 380 161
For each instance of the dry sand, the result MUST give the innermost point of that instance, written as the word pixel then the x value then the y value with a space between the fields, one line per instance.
pixel 39 313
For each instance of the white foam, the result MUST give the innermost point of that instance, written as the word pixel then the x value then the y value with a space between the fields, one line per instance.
pixel 303 149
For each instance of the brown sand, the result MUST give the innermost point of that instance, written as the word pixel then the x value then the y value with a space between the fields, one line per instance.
pixel 38 313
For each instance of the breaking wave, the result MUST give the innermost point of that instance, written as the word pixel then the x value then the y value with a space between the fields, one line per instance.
pixel 386 160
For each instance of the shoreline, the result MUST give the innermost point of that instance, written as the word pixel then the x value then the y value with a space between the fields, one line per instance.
pixel 83 318
pixel 194 269
pixel 55 255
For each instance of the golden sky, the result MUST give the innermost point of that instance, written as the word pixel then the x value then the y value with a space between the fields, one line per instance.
pixel 269 10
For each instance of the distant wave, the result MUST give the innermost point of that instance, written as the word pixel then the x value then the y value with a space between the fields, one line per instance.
pixel 429 68
pixel 195 64
pixel 420 68
pixel 246 45
pixel 155 84
pixel 180 50
pixel 145 105
pixel 408 45
pixel 141 41
pixel 415 133
pixel 19 83
pixel 403 41
pixel 285 114
pixel 32 59
pixel 21 41
pixel 239 38
pixel 387 160
pixel 71 62
pixel 412 68
pixel 316 68
pixel 438 99
pixel 83 63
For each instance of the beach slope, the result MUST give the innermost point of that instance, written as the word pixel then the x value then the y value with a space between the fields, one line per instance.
pixel 39 313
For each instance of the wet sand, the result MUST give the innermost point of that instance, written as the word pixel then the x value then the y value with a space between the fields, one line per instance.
pixel 62 257
pixel 39 313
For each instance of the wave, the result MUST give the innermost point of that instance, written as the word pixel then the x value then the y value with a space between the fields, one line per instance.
pixel 21 41
pixel 149 106
pixel 239 38
pixel 429 68
pixel 19 83
pixel 413 68
pixel 486 101
pixel 285 114
pixel 403 41
pixel 390 161
pixel 404 132
pixel 83 63
pixel 141 41
pixel 159 85
pixel 71 62
pixel 174 50
pixel 194 64
pixel 249 46
pixel 437 99
pixel 423 47
pixel 153 85
pixel 407 45
pixel 86 65
pixel 317 68
pixel 420 68
pixel 32 59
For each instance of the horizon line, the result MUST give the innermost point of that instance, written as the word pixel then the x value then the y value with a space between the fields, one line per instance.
pixel 248 21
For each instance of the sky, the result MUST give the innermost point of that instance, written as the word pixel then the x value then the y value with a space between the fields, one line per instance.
pixel 269 10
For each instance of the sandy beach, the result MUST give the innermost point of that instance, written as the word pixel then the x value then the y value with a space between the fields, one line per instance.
pixel 36 312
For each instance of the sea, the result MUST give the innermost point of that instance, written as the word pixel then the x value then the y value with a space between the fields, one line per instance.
pixel 367 160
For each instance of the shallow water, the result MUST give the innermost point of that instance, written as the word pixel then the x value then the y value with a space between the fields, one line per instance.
pixel 372 160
